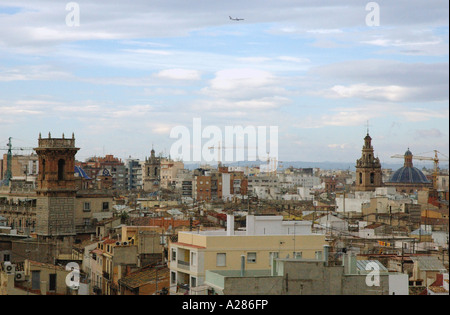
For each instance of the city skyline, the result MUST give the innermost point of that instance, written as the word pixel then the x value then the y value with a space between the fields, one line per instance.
pixel 128 74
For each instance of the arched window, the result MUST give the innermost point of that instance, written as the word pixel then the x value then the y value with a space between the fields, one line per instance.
pixel 156 171
pixel 360 178
pixel 372 178
pixel 61 166
pixel 43 169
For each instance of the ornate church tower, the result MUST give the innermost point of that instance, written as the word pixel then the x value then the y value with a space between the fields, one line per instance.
pixel 368 168
pixel 152 172
pixel 56 191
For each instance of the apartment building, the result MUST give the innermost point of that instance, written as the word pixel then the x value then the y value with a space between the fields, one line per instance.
pixel 265 238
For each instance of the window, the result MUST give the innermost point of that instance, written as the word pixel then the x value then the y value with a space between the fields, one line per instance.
pixel 52 282
pixel 6 257
pixel 360 178
pixel 35 280
pixel 251 258
pixel 61 166
pixel 221 260
pixel 298 255
pixel 193 282
pixel 193 259
pixel 174 254
pixel 86 221
pixel 372 178
pixel 43 169
pixel 87 207
pixel 105 206
pixel 173 277
pixel 319 255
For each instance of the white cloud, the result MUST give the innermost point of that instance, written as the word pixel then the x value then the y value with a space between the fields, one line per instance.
pixel 390 93
pixel 179 74
pixel 149 52
pixel 387 80
pixel 34 72
pixel 429 133
pixel 231 79
pixel 162 129
pixel 339 146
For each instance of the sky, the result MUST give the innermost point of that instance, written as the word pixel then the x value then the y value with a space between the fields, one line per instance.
pixel 121 75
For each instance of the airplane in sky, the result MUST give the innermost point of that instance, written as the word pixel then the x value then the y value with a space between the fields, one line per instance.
pixel 236 19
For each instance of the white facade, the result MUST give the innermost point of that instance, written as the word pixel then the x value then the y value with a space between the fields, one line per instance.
pixel 226 189
pixel 351 203
pixel 332 223
pixel 305 193
pixel 296 180
pixel 398 284
pixel 274 225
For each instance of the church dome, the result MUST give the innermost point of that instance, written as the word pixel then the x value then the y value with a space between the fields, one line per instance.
pixel 410 175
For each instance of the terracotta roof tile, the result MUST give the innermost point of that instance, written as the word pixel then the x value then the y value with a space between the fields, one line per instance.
pixel 438 289
pixel 144 276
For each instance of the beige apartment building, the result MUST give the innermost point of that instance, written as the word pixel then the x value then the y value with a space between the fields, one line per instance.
pixel 168 173
pixel 265 238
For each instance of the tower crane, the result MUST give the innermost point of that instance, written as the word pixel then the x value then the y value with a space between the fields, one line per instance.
pixel 10 148
pixel 435 160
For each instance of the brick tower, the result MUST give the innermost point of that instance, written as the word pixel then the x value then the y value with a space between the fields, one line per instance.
pixel 56 189
pixel 368 168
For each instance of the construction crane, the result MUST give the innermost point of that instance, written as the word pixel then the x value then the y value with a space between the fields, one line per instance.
pixel 9 148
pixel 435 160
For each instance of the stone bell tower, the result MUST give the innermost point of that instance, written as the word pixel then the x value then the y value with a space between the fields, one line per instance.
pixel 56 189
pixel 368 168
pixel 151 173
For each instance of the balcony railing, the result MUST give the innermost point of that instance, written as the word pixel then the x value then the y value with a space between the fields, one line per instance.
pixel 183 264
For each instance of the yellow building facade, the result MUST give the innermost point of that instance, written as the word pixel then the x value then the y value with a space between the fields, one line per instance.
pixel 196 252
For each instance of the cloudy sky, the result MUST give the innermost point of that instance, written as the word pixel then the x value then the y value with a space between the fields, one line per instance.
pixel 318 69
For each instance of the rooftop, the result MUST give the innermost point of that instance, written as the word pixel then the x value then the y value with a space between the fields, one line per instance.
pixel 144 276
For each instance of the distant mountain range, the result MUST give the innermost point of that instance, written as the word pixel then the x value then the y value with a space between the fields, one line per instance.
pixel 299 164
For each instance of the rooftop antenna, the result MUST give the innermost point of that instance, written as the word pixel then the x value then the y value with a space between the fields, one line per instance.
pixel 367 126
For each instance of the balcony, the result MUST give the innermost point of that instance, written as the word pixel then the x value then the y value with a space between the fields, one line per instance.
pixel 183 264
pixel 106 275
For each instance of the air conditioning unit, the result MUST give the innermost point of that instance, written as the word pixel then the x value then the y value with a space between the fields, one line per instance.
pixel 10 268
pixel 20 276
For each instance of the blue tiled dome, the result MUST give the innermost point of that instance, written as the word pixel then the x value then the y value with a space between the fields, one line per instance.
pixel 79 172
pixel 409 175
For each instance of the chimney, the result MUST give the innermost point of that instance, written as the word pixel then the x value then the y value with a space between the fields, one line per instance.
pixel 230 224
